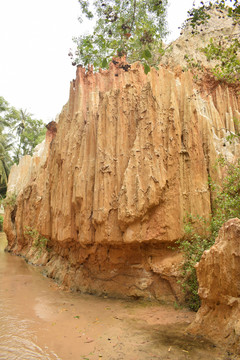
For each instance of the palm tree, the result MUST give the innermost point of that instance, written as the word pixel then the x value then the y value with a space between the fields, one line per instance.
pixel 19 134
pixel 17 120
pixel 5 161
pixel 5 147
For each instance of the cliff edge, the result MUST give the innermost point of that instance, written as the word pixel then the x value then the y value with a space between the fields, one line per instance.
pixel 109 189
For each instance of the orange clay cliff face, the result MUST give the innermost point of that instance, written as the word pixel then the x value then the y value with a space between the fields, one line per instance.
pixel 110 186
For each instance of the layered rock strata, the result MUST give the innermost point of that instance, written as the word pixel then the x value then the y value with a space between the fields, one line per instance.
pixel 110 187
pixel 218 275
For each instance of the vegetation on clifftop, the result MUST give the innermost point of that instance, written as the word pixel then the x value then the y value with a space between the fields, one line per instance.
pixel 135 29
pixel 222 52
pixel 130 28
pixel 200 15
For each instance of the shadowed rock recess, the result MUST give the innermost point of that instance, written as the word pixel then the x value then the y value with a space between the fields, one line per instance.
pixel 110 186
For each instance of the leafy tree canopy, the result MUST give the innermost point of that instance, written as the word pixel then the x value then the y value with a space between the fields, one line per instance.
pixel 200 15
pixel 28 132
pixel 19 134
pixel 5 147
pixel 131 28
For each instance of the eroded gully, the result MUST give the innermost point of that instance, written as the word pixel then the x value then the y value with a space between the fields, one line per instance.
pixel 38 320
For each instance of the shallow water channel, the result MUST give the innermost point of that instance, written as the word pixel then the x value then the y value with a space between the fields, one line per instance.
pixel 38 320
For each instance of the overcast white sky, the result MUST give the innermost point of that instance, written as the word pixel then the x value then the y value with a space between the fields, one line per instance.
pixel 35 36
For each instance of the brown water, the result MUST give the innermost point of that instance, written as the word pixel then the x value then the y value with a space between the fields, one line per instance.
pixel 38 320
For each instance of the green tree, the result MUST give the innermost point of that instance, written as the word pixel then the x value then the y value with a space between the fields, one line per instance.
pixel 131 28
pixel 5 148
pixel 5 162
pixel 29 132
pixel 3 106
pixel 19 135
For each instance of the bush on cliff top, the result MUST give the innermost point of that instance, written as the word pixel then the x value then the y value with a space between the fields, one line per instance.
pixel 133 28
pixel 200 15
pixel 222 51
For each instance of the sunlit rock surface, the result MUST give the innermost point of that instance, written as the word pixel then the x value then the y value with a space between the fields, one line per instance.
pixel 129 157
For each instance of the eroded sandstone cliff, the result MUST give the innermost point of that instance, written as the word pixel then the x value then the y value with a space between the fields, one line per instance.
pixel 219 289
pixel 109 188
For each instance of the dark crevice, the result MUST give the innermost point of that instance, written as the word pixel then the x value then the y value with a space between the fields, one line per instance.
pixel 13 214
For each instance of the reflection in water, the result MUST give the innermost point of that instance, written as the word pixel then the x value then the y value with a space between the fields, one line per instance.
pixel 17 341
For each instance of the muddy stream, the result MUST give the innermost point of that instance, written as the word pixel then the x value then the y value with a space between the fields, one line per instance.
pixel 38 320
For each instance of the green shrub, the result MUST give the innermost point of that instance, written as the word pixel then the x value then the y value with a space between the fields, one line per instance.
pixel 200 234
pixel 225 52
pixel 227 202
pixel 1 223
pixel 38 241
pixel 10 200
pixel 196 240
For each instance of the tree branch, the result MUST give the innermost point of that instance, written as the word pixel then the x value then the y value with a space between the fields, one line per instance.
pixel 134 12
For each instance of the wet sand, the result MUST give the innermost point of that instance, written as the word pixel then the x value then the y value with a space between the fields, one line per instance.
pixel 38 320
